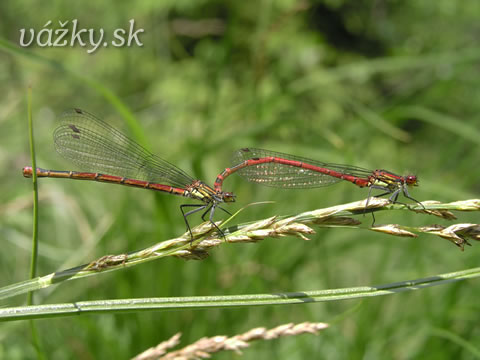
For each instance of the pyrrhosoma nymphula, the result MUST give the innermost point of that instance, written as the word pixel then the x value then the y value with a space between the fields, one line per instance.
pixel 281 170
pixel 112 157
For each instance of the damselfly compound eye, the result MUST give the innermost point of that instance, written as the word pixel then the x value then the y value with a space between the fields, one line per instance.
pixel 411 180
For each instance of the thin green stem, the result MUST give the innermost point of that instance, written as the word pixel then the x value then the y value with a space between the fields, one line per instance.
pixel 205 238
pixel 33 262
pixel 202 302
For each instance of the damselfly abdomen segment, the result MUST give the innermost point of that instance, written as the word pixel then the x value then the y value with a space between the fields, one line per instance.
pixel 110 156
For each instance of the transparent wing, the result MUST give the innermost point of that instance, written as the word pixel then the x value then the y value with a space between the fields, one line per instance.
pixel 291 175
pixel 95 146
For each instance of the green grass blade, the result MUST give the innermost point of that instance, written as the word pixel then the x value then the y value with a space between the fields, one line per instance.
pixel 202 302
pixel 454 125
pixel 109 95
pixel 33 262
pixel 34 259
pixel 457 340
pixel 365 69
pixel 278 226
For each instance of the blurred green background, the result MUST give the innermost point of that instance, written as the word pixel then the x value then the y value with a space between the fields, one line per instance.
pixel 372 83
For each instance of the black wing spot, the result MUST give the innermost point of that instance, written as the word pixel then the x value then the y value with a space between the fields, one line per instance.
pixel 74 128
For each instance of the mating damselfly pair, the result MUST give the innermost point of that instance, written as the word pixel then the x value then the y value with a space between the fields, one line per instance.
pixel 107 155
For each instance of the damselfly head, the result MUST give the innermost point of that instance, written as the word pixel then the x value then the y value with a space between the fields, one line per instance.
pixel 411 180
pixel 228 197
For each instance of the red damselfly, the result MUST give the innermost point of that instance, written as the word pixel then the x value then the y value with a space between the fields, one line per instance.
pixel 112 157
pixel 281 170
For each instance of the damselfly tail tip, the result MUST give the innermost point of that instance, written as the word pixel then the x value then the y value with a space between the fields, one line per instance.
pixel 27 171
